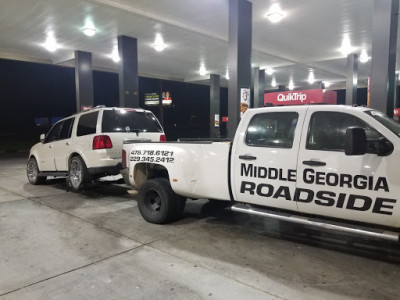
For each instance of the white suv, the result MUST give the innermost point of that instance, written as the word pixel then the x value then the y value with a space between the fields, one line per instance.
pixel 88 145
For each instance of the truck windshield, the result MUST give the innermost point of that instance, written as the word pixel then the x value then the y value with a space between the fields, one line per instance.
pixel 120 120
pixel 389 123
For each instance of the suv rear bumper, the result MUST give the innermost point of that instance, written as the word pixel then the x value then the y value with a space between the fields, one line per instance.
pixel 105 171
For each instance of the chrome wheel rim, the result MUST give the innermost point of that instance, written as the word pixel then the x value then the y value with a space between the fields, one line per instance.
pixel 75 174
pixel 32 171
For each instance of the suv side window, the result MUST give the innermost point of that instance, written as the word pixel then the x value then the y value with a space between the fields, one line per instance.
pixel 327 131
pixel 87 124
pixel 272 129
pixel 54 133
pixel 66 129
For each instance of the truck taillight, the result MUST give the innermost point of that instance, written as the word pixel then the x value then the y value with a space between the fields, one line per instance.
pixel 123 159
pixel 163 138
pixel 102 142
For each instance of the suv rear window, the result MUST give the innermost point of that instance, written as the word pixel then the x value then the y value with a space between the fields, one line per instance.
pixel 87 124
pixel 129 121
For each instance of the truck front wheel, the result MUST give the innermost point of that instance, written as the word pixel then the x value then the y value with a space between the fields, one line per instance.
pixel 158 203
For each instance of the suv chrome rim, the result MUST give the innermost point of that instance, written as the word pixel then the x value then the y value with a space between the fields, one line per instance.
pixel 75 173
pixel 32 170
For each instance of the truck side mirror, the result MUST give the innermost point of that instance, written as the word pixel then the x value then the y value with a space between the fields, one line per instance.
pixel 42 137
pixel 356 141
pixel 385 147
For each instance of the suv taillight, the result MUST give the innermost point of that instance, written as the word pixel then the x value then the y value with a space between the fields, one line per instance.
pixel 163 138
pixel 102 142
pixel 123 159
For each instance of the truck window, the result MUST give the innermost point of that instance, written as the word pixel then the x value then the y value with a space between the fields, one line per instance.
pixel 272 130
pixel 87 124
pixel 327 131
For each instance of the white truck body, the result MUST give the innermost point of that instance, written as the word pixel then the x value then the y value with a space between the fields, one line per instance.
pixel 297 171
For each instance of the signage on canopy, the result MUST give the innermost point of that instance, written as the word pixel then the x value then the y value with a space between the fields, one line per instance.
pixel 300 97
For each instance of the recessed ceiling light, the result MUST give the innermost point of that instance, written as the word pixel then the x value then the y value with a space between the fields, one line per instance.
pixel 326 84
pixel 115 55
pixel 346 47
pixel 159 44
pixel 311 78
pixel 89 31
pixel 269 71
pixel 291 85
pixel 275 13
pixel 202 70
pixel 364 56
pixel 227 75
pixel 50 44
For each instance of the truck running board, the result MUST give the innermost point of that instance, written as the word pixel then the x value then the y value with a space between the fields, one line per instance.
pixel 358 230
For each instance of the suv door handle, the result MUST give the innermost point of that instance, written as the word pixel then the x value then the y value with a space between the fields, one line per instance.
pixel 50 146
pixel 314 163
pixel 67 143
pixel 247 157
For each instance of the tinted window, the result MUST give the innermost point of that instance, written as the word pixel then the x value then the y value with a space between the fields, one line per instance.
pixel 389 123
pixel 54 133
pixel 87 124
pixel 272 130
pixel 129 121
pixel 66 129
pixel 327 130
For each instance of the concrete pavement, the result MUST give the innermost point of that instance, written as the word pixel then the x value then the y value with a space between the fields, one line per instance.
pixel 56 244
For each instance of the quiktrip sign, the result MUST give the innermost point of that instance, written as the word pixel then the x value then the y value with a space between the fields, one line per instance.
pixel 300 97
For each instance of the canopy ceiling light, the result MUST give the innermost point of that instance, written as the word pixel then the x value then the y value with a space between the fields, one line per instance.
pixel 202 70
pixel 159 44
pixel 275 13
pixel 311 78
pixel 227 75
pixel 115 55
pixel 346 47
pixel 89 31
pixel 273 82
pixel 364 57
pixel 291 85
pixel 50 44
pixel 269 71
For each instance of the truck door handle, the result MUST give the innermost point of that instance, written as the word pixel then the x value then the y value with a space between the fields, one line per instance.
pixel 314 163
pixel 247 157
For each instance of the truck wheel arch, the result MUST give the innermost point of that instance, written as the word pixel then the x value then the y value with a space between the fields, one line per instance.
pixel 145 171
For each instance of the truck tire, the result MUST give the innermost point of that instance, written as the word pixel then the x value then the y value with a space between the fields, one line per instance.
pixel 158 203
pixel 78 174
pixel 32 170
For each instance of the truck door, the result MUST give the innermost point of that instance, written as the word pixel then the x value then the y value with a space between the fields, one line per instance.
pixel 333 184
pixel 264 157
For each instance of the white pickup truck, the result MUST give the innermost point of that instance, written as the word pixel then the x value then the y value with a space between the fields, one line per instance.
pixel 336 167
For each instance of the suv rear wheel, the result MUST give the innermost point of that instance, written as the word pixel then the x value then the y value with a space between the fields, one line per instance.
pixel 78 174
pixel 32 171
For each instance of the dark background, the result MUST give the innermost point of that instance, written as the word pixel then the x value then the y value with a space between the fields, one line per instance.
pixel 33 90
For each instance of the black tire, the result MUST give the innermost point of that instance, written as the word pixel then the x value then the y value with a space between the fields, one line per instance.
pixel 158 203
pixel 32 171
pixel 78 174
